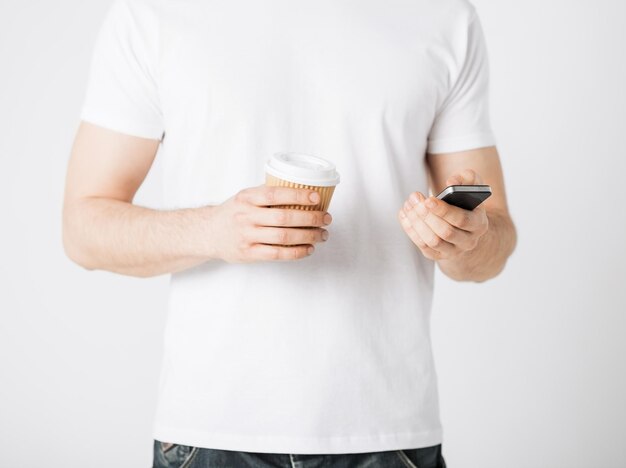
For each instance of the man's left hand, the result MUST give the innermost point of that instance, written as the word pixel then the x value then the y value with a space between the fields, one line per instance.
pixel 440 230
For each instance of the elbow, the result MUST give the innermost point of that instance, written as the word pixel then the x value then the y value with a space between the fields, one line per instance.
pixel 72 245
pixel 73 252
pixel 81 246
pixel 513 243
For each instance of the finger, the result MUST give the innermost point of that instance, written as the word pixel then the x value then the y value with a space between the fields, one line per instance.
pixel 424 231
pixel 407 226
pixel 289 217
pixel 264 252
pixel 415 198
pixel 458 217
pixel 414 202
pixel 433 240
pixel 413 211
pixel 288 236
pixel 417 240
pixel 478 180
pixel 269 196
pixel 447 231
pixel 431 254
pixel 454 180
pixel 465 177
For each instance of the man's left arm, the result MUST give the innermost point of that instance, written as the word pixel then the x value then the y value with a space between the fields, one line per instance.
pixel 467 245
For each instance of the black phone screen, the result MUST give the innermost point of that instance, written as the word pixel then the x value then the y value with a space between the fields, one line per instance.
pixel 468 200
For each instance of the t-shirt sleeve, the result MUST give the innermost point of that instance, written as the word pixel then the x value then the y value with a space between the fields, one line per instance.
pixel 122 92
pixel 462 121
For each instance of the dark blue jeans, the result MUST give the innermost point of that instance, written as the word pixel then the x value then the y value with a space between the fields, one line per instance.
pixel 183 456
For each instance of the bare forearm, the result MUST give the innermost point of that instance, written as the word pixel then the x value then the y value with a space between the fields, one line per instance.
pixel 112 235
pixel 488 258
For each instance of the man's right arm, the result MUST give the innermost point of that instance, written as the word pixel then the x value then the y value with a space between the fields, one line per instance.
pixel 103 230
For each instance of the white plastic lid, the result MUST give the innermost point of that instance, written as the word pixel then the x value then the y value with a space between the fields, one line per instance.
pixel 302 169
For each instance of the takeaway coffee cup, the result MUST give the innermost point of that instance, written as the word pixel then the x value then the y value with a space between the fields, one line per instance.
pixel 299 170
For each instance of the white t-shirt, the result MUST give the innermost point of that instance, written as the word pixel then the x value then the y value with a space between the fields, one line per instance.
pixel 331 353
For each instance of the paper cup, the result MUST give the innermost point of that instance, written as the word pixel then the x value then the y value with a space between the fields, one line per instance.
pixel 301 170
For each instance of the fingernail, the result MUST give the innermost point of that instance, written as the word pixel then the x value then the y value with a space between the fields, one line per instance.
pixel 314 197
pixel 324 235
pixel 327 219
pixel 310 250
pixel 413 198
pixel 430 203
pixel 407 207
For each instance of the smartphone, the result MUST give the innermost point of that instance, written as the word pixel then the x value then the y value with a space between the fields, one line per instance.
pixel 467 197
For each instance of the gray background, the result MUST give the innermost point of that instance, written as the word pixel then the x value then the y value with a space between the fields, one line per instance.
pixel 531 364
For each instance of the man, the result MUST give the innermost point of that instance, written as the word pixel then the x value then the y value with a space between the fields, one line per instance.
pixel 291 341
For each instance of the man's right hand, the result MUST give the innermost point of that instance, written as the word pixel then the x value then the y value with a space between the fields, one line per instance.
pixel 249 228
pixel 104 230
